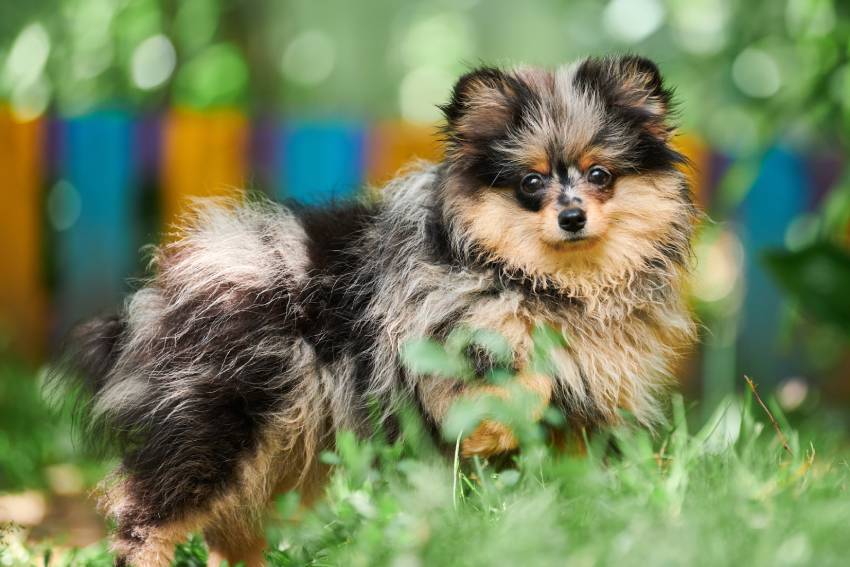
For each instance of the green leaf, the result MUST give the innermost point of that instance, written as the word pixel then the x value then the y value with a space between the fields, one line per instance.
pixel 817 278
pixel 494 342
pixel 546 339
pixel 458 339
pixel 329 458
pixel 463 417
pixel 426 356
pixel 509 477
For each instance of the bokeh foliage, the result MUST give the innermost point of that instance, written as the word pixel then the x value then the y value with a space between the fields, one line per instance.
pixel 749 75
pixel 745 71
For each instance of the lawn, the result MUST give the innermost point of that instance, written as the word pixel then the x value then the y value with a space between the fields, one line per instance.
pixel 724 493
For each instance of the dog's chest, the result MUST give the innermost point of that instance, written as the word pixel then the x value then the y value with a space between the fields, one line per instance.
pixel 602 354
pixel 516 316
pixel 597 355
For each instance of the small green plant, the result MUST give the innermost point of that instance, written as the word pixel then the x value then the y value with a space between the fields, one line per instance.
pixel 730 492
pixel 726 493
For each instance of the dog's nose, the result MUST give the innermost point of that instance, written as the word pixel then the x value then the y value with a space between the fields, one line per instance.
pixel 572 220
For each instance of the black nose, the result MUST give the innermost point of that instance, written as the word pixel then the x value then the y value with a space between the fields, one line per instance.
pixel 572 220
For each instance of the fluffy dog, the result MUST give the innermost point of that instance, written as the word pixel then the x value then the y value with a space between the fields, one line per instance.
pixel 266 329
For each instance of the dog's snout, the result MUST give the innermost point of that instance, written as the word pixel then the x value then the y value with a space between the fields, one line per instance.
pixel 572 220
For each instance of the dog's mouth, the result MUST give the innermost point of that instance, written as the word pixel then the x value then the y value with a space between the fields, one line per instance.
pixel 573 241
pixel 575 237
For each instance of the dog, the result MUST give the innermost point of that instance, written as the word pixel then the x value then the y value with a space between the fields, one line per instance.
pixel 266 329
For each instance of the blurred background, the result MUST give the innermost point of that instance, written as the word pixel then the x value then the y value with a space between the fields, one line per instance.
pixel 115 113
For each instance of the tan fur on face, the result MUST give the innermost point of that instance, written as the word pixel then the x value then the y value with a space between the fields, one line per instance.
pixel 632 323
pixel 624 232
pixel 592 156
pixel 541 165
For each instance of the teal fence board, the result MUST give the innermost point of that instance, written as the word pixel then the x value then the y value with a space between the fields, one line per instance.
pixel 97 252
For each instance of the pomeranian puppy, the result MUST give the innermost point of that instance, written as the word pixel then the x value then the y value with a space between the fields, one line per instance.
pixel 266 329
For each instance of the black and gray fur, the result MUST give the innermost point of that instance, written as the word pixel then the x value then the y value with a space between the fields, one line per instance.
pixel 266 329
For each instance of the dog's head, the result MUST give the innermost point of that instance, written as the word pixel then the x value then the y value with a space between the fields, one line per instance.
pixel 559 172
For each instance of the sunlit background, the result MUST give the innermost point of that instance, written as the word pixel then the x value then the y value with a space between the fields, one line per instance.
pixel 114 113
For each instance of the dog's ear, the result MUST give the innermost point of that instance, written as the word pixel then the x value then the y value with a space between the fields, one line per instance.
pixel 483 104
pixel 633 87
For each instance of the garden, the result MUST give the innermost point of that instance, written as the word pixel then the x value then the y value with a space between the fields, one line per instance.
pixel 116 115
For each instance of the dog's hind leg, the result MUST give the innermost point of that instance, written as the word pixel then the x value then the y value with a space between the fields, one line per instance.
pixel 235 530
pixel 231 520
pixel 236 543
pixel 140 541
pixel 229 514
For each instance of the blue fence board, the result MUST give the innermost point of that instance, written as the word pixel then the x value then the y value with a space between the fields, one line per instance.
pixel 320 161
pixel 97 252
pixel 778 196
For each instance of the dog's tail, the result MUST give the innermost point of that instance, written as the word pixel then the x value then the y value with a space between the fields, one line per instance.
pixel 95 346
pixel 84 368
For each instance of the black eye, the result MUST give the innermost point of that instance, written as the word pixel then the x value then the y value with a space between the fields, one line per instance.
pixel 599 176
pixel 532 183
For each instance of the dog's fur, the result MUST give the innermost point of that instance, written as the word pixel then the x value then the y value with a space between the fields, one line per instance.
pixel 267 329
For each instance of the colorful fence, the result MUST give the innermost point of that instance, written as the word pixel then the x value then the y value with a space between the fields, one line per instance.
pixel 22 299
pixel 77 192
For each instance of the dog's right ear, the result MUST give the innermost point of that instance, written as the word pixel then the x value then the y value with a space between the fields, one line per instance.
pixel 484 103
pixel 632 86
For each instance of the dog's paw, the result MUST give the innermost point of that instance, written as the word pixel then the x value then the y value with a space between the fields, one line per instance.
pixel 489 438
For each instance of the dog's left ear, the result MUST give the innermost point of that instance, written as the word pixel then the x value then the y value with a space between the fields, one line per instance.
pixel 632 86
pixel 484 104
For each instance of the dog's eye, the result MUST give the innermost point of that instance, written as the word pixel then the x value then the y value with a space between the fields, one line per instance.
pixel 532 183
pixel 599 176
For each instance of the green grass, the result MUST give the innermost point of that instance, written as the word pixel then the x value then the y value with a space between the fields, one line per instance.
pixel 32 437
pixel 726 493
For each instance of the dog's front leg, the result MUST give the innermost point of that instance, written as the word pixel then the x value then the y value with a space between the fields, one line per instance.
pixel 490 437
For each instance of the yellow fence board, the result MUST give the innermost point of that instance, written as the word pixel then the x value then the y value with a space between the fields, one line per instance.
pixel 699 154
pixel 22 297
pixel 394 145
pixel 204 155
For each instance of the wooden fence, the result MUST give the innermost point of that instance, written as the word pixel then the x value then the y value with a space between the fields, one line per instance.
pixel 79 194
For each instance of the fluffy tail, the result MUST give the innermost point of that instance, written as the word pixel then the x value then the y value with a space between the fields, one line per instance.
pixel 84 368
pixel 95 346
